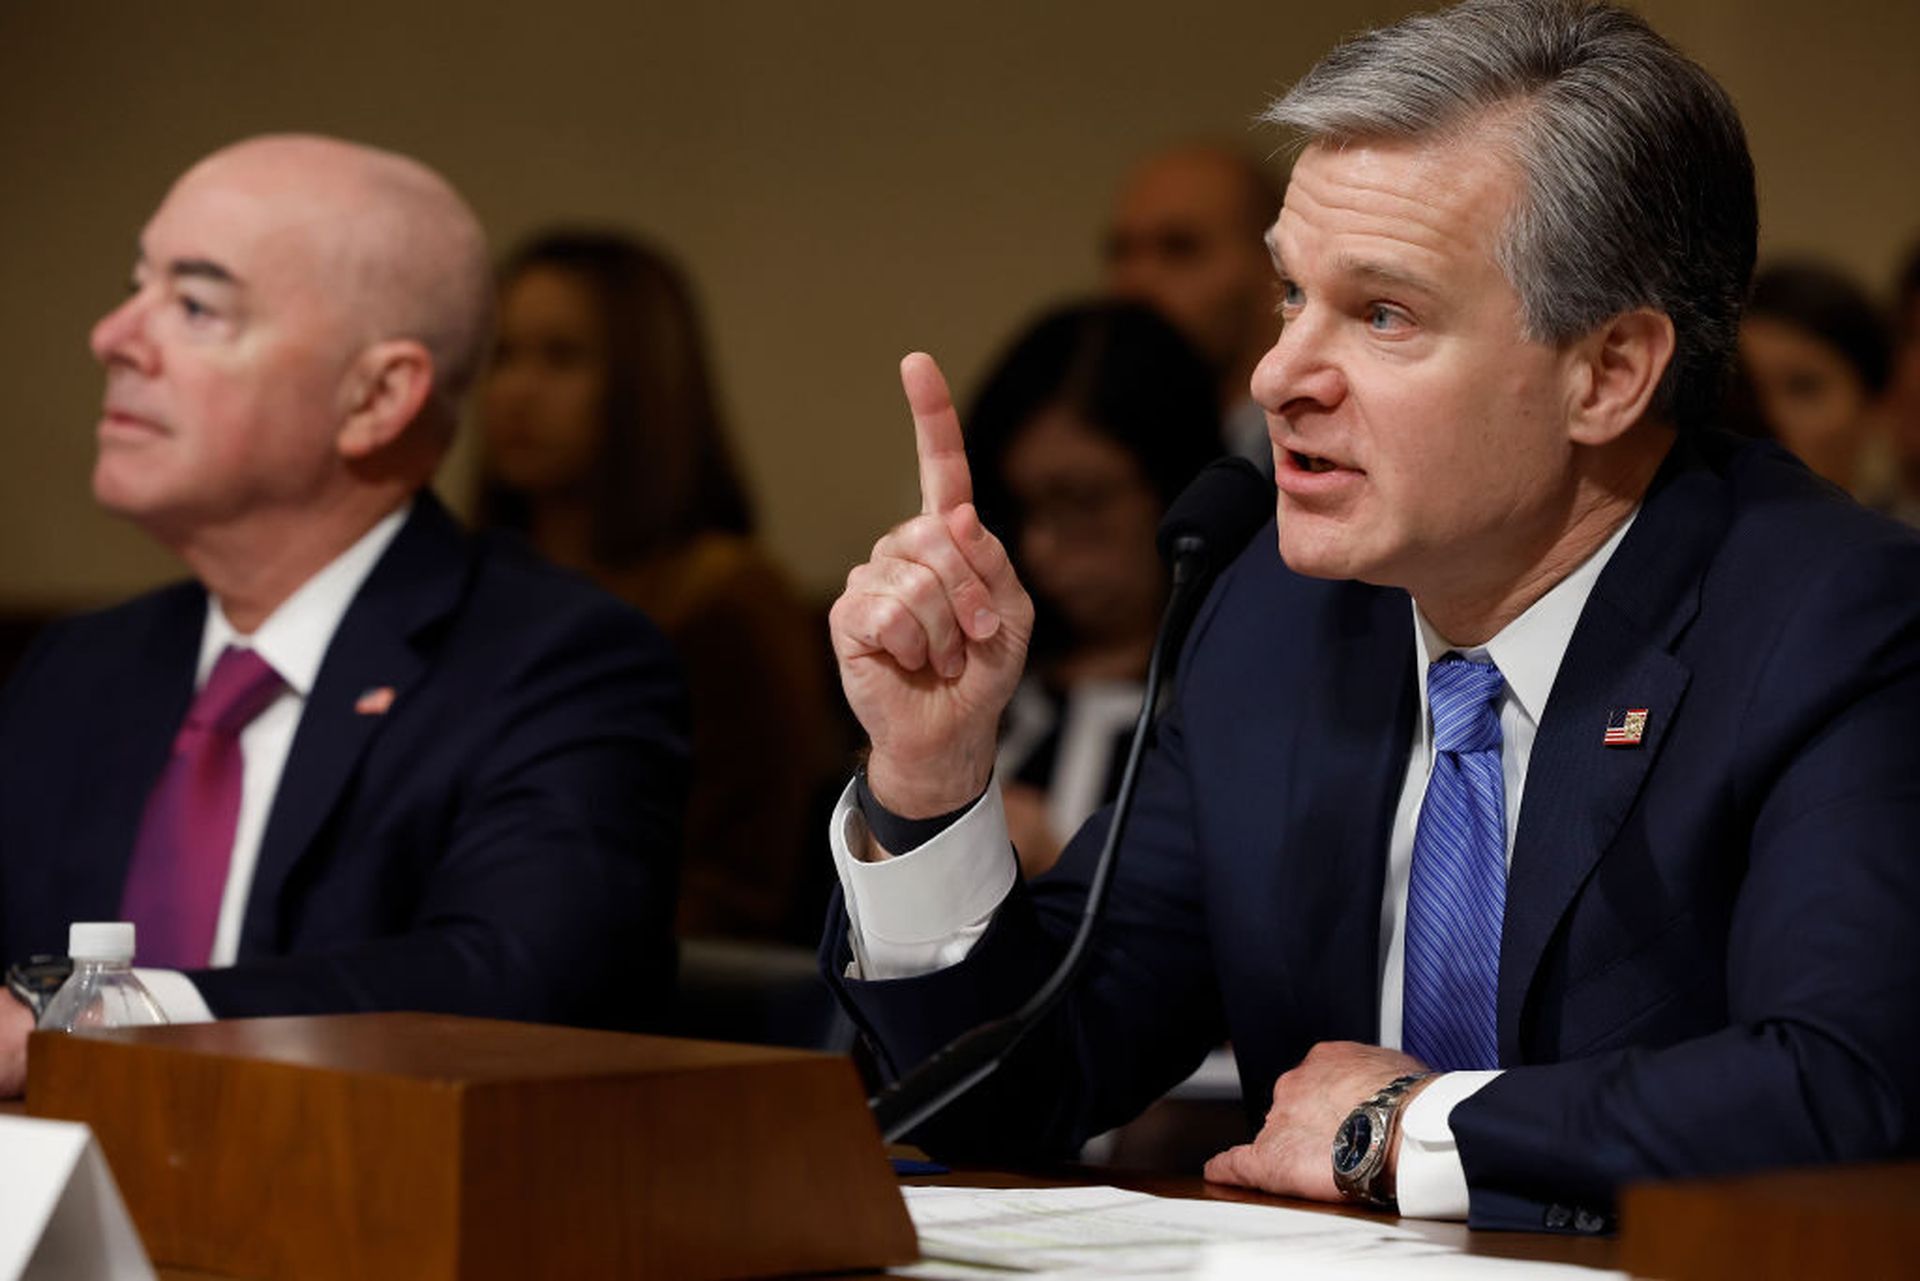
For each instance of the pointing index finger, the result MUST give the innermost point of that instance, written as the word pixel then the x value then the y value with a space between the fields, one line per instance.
pixel 945 482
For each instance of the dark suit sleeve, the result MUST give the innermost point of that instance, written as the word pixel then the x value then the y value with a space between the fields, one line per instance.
pixel 1144 1014
pixel 22 676
pixel 550 896
pixel 1820 1061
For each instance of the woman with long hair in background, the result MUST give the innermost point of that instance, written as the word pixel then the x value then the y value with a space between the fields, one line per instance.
pixel 603 441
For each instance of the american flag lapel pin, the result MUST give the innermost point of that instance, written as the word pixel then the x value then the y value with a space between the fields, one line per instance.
pixel 374 701
pixel 1625 728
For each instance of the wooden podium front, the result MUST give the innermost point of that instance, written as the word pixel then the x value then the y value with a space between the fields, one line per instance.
pixel 428 1147
pixel 1783 1225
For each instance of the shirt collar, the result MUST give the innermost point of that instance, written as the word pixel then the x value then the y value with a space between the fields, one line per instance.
pixel 1528 650
pixel 294 638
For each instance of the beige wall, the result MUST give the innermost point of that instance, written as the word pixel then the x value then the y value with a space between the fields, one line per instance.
pixel 847 180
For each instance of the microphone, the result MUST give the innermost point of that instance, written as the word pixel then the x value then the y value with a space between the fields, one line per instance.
pixel 1206 527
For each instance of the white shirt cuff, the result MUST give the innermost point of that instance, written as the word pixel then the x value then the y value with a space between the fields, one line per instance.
pixel 923 909
pixel 1429 1181
pixel 179 999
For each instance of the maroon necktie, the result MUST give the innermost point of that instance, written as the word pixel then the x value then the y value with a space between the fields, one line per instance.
pixel 180 861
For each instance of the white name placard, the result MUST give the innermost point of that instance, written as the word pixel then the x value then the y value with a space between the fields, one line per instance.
pixel 61 1217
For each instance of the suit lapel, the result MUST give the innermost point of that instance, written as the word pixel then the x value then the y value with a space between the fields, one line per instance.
pixel 1579 790
pixel 145 705
pixel 417 582
pixel 1336 855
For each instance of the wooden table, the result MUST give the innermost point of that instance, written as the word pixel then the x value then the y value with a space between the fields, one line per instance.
pixel 1596 1252
pixel 1784 1225
pixel 406 1146
pixel 1787 1224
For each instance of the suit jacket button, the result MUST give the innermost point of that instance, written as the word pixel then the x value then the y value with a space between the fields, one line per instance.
pixel 1558 1217
pixel 1588 1221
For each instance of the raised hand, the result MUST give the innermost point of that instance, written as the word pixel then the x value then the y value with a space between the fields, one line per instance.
pixel 931 632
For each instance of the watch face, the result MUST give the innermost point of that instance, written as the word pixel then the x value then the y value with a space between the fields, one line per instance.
pixel 1351 1143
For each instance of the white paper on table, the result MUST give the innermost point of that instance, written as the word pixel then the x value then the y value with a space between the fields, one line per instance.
pixel 61 1217
pixel 1092 1231
pixel 1113 1232
pixel 1400 1261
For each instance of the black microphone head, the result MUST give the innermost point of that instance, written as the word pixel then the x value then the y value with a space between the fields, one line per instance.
pixel 1215 515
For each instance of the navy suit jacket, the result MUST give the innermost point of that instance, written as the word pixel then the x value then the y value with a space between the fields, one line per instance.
pixel 1711 951
pixel 501 842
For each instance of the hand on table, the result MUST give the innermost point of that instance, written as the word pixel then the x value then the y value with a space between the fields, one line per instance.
pixel 1293 1153
pixel 16 1021
pixel 931 632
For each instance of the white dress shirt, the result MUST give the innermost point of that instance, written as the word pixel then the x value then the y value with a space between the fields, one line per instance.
pixel 924 909
pixel 294 641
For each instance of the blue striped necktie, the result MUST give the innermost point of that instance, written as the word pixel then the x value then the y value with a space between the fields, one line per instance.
pixel 1457 893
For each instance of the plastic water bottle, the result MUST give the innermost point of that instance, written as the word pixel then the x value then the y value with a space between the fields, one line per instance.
pixel 102 990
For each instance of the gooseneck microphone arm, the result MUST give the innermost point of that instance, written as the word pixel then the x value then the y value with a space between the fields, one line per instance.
pixel 1207 525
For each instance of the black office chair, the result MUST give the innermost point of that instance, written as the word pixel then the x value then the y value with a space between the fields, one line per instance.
pixel 756 994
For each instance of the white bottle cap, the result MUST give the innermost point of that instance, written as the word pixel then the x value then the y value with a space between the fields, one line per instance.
pixel 100 941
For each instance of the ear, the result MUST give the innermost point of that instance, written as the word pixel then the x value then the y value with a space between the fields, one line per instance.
pixel 1616 369
pixel 386 387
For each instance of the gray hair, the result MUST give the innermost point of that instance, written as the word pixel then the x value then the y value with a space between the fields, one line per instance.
pixel 1637 184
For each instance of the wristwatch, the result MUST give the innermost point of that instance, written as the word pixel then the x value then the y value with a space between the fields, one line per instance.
pixel 35 980
pixel 1361 1144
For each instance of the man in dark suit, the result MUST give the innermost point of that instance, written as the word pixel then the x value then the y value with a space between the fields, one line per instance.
pixel 363 761
pixel 1541 817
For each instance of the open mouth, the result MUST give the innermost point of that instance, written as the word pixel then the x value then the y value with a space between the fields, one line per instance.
pixel 1312 462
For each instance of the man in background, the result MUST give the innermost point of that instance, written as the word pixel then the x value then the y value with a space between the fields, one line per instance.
pixel 1185 239
pixel 361 761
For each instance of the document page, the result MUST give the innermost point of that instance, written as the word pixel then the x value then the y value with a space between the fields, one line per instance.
pixel 1111 1232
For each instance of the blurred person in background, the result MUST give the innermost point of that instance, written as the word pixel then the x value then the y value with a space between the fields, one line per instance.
pixel 1903 395
pixel 604 443
pixel 1816 353
pixel 1085 430
pixel 1185 238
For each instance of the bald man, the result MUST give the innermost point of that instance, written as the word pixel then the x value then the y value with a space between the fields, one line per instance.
pixel 1186 239
pixel 361 761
